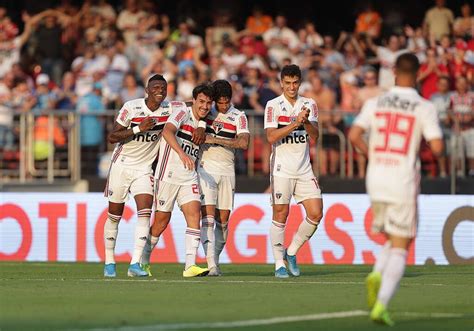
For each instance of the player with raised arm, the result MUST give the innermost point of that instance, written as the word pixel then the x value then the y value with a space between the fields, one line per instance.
pixel 136 132
pixel 177 180
pixel 290 123
pixel 396 122
pixel 227 130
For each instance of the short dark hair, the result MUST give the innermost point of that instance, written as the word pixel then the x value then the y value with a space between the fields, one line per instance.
pixel 204 88
pixel 407 63
pixel 290 70
pixel 156 77
pixel 222 89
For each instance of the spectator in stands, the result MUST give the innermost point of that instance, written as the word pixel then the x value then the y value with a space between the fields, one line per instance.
pixel 331 123
pixel 130 89
pixel 438 21
pixel 84 68
pixel 187 81
pixel 258 23
pixel 370 89
pixel 222 31
pixel 369 22
pixel 232 60
pixel 462 115
pixel 464 24
pixel 429 73
pixel 387 56
pixel 332 64
pixel 45 98
pixel 441 99
pixel 416 42
pixel 105 10
pixel 6 119
pixel 128 21
pixel 89 107
pixel 458 67
pixel 313 38
pixel 66 95
pixel 22 98
pixel 115 70
pixel 280 40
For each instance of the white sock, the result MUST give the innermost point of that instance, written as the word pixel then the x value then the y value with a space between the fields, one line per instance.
pixel 192 239
pixel 141 234
pixel 148 249
pixel 382 258
pixel 277 238
pixel 110 237
pixel 392 274
pixel 220 234
pixel 208 239
pixel 304 233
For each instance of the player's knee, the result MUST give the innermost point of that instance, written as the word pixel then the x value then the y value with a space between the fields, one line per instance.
pixel 280 213
pixel 315 216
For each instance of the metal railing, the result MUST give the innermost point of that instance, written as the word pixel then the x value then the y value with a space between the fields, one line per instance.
pixel 64 161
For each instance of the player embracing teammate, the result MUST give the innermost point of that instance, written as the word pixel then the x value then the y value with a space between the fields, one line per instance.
pixel 290 123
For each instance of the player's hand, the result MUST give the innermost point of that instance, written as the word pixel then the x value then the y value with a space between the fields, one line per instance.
pixel 199 136
pixel 303 116
pixel 187 161
pixel 147 124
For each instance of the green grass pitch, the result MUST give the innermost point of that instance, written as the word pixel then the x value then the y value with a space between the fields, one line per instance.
pixel 75 296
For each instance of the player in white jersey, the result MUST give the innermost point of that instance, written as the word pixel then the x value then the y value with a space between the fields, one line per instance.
pixel 396 122
pixel 227 130
pixel 177 180
pixel 290 123
pixel 136 132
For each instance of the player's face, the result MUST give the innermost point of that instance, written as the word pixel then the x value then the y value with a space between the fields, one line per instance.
pixel 156 90
pixel 202 105
pixel 290 86
pixel 222 104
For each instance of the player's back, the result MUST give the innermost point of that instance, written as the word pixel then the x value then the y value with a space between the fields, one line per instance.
pixel 397 121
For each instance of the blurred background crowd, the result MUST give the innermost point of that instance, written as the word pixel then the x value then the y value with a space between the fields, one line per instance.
pixel 90 57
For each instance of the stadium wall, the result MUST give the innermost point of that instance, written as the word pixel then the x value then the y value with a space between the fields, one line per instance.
pixel 69 227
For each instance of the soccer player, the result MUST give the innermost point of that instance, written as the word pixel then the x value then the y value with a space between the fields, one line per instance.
pixel 227 130
pixel 290 123
pixel 396 122
pixel 177 180
pixel 137 131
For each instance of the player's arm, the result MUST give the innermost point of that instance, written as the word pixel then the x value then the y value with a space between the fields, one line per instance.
pixel 312 130
pixel 239 142
pixel 274 134
pixel 355 137
pixel 169 134
pixel 437 146
pixel 121 133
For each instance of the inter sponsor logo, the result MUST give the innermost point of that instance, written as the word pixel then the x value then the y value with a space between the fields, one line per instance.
pixel 146 137
pixel 190 150
pixel 295 138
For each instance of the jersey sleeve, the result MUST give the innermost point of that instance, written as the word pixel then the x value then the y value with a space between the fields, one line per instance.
pixel 271 120
pixel 242 124
pixel 430 124
pixel 313 112
pixel 179 115
pixel 124 116
pixel 363 119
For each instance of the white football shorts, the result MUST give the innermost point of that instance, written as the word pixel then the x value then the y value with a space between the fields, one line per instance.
pixel 166 194
pixel 122 181
pixel 397 219
pixel 283 189
pixel 217 190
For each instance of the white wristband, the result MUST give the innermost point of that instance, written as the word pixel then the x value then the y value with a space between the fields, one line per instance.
pixel 202 124
pixel 136 129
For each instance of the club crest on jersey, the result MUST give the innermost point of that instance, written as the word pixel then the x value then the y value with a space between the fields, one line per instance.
pixel 217 126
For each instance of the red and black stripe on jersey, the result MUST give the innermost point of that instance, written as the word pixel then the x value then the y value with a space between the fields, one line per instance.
pixel 185 132
pixel 160 120
pixel 284 121
pixel 221 129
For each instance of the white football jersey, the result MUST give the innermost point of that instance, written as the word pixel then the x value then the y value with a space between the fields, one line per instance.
pixel 290 156
pixel 216 159
pixel 141 149
pixel 396 121
pixel 170 168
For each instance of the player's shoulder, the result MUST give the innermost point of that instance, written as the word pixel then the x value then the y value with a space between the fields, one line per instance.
pixel 134 103
pixel 178 104
pixel 306 100
pixel 236 112
pixel 275 101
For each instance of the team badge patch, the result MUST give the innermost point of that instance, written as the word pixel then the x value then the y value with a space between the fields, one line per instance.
pixel 278 195
pixel 217 126
pixel 161 202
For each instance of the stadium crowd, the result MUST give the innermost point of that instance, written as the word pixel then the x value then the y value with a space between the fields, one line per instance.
pixel 97 57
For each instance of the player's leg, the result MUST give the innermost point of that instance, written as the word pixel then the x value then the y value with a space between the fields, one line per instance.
pixel 225 203
pixel 400 225
pixel 208 187
pixel 114 215
pixel 144 203
pixel 116 190
pixel 374 279
pixel 189 200
pixel 165 197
